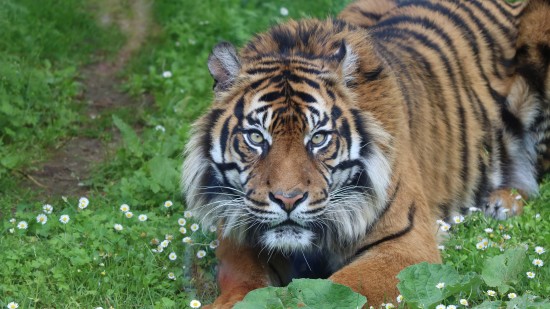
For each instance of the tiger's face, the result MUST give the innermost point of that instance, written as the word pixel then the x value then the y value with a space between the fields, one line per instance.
pixel 287 161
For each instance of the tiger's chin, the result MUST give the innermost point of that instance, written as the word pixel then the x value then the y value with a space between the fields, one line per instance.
pixel 288 238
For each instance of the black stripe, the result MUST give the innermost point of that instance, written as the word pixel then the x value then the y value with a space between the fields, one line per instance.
pixel 373 75
pixel 207 141
pixel 389 204
pixel 305 97
pixel 224 137
pixel 271 96
pixel 362 131
pixel 398 66
pixel 261 70
pixel 370 15
pixel 404 231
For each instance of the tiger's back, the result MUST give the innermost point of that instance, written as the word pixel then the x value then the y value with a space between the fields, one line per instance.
pixel 455 66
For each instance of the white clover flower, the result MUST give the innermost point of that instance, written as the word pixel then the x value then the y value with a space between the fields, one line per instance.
pixel 506 236
pixel 440 285
pixel 512 295
pixel 124 208
pixel 451 307
pixel 214 244
pixel 212 228
pixel 538 262
pixel 399 298
pixel 488 230
pixel 41 218
pixel 64 219
pixel 539 250
pixel 195 304
pixel 129 214
pixel 172 256
pixel 12 220
pixel 171 276
pixel 13 305
pixel 160 128
pixel 445 227
pixel 182 221
pixel 187 240
pixel 188 214
pixel 283 11
pixel 166 74
pixel 530 274
pixel 168 204
pixel 142 217
pixel 201 254
pixel 464 302
pixel 441 247
pixel 491 293
pixel 440 306
pixel 389 306
pixel 47 208
pixel 458 219
pixel 481 245
pixel 165 243
pixel 118 227
pixel 83 203
pixel 22 225
pixel 194 227
pixel 183 230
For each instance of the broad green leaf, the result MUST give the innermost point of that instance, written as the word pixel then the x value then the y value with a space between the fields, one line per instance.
pixel 304 293
pixel 131 140
pixel 503 270
pixel 163 172
pixel 418 283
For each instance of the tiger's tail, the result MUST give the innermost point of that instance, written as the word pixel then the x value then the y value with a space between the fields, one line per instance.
pixel 529 98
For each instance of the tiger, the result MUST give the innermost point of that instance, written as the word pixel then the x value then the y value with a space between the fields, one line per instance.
pixel 337 144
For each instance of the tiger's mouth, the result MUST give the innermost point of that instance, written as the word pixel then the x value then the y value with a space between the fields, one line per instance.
pixel 288 236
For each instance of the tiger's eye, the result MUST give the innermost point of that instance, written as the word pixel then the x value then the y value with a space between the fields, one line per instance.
pixel 318 139
pixel 256 138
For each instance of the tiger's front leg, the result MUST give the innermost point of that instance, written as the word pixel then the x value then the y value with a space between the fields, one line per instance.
pixel 239 272
pixel 372 271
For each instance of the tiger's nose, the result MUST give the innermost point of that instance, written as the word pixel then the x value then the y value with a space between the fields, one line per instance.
pixel 288 201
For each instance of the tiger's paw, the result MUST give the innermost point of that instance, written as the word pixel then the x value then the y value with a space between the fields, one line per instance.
pixel 504 203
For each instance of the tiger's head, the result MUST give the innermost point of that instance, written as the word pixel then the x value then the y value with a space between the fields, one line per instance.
pixel 286 158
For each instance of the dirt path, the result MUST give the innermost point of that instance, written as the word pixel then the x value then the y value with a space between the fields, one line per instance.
pixel 68 168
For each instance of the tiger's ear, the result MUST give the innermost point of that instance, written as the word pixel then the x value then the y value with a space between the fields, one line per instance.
pixel 224 65
pixel 347 61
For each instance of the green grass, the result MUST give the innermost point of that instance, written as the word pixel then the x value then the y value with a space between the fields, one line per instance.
pixel 86 262
pixel 42 44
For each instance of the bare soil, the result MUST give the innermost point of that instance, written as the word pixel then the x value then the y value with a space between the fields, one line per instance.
pixel 67 168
